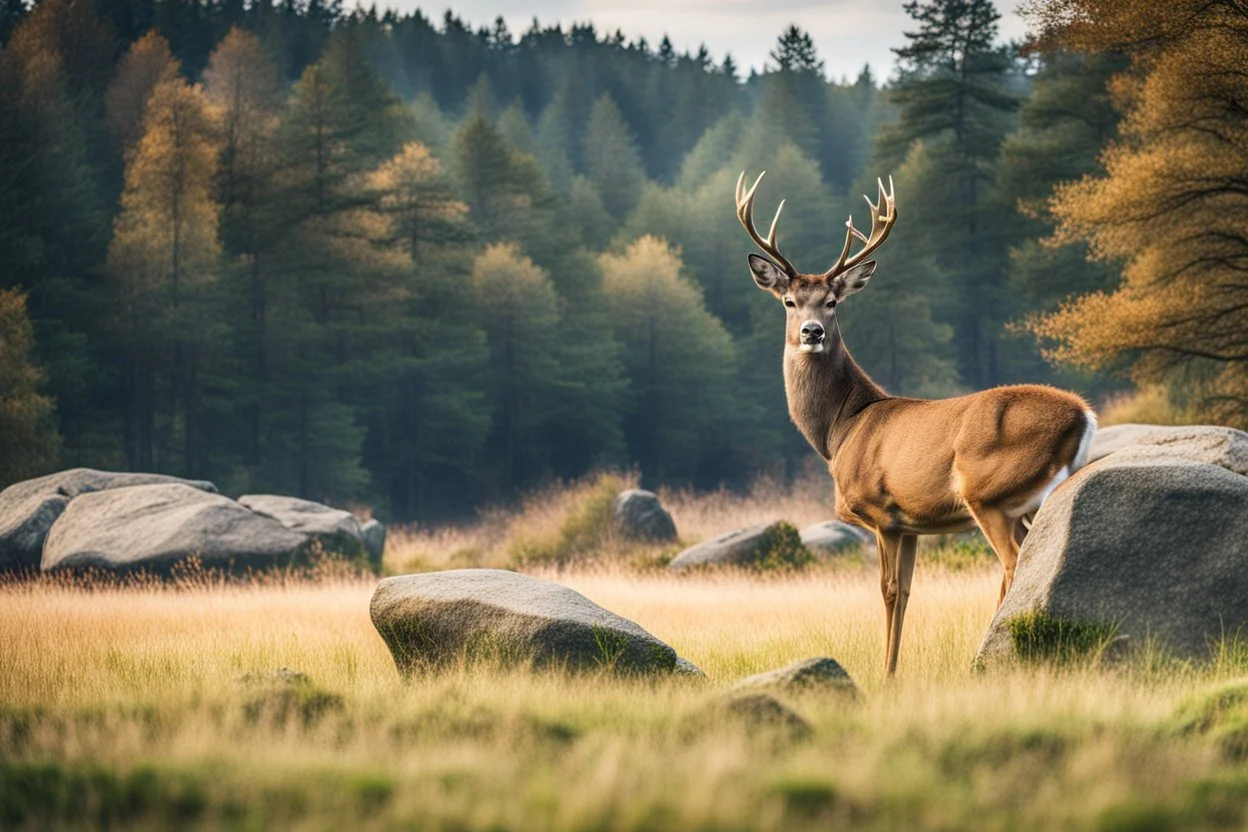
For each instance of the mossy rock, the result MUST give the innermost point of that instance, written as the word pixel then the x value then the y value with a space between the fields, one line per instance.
pixel 771 546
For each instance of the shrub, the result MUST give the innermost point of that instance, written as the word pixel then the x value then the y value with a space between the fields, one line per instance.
pixel 783 549
pixel 585 528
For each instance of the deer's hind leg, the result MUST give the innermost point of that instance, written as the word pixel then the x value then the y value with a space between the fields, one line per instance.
pixel 1004 534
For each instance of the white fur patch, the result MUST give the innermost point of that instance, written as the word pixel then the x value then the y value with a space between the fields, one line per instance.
pixel 1081 456
pixel 811 348
pixel 1043 494
pixel 1085 444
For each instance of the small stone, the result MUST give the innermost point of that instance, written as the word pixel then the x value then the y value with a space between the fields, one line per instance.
pixel 638 515
pixel 763 712
pixel 684 667
pixel 812 675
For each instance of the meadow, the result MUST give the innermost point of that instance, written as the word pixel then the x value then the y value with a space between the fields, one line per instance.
pixel 152 706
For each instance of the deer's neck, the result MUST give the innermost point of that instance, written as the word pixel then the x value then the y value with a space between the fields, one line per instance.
pixel 826 392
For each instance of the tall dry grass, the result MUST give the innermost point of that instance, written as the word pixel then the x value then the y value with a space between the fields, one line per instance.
pixel 566 522
pixel 133 707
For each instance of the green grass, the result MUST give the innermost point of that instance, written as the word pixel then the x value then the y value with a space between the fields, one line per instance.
pixel 1040 637
pixel 783 549
pixel 154 708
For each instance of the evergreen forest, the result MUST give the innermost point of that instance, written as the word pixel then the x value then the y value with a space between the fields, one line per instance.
pixel 376 259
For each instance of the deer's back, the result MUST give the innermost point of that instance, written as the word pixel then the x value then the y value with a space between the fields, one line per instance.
pixel 915 463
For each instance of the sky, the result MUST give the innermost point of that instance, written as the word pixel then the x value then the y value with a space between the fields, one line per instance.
pixel 847 33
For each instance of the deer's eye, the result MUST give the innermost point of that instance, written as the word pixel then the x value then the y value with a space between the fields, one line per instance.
pixel 789 303
pixel 831 304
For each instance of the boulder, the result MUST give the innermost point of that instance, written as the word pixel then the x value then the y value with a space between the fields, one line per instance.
pixel 29 508
pixel 835 538
pixel 684 667
pixel 1212 444
pixel 1150 543
pixel 759 712
pixel 769 544
pixel 338 529
pixel 438 618
pixel 638 515
pixel 374 533
pixel 154 527
pixel 821 675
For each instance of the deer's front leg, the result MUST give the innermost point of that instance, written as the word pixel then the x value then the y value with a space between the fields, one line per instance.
pixel 886 547
pixel 897 555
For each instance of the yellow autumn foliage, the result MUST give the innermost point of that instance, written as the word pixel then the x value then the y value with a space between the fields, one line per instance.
pixel 1171 207
pixel 412 196
pixel 165 237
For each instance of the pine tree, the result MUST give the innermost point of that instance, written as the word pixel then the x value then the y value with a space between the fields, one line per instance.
pixel 587 214
pixel 1064 125
pixel 53 223
pixel 612 161
pixel 513 124
pixel 241 83
pixel 164 253
pixel 678 359
pixel 506 192
pixel 559 131
pixel 433 421
pixel 340 279
pixel 523 366
pixel 795 52
pixel 953 95
pixel 147 64
pixel 484 166
pixel 28 439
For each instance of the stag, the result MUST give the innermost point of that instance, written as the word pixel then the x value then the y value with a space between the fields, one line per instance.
pixel 905 467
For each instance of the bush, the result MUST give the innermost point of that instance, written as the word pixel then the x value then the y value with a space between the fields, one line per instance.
pixel 584 530
pixel 783 549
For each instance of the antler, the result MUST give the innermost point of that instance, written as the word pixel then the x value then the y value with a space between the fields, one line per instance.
pixel 881 226
pixel 745 213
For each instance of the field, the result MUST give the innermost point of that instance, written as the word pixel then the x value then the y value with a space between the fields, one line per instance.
pixel 151 707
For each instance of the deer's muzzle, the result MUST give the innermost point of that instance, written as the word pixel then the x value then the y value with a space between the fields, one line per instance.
pixel 812 332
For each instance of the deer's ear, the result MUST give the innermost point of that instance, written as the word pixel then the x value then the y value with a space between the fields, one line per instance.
pixel 768 275
pixel 852 279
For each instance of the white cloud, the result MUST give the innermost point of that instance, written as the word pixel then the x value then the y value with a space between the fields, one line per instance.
pixel 847 33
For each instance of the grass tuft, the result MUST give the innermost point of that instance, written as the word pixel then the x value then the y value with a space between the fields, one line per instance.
pixel 1039 637
pixel 584 531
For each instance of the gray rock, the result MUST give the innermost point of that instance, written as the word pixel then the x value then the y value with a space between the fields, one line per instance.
pixel 684 667
pixel 762 712
pixel 1151 540
pixel 745 547
pixel 1210 444
pixel 153 527
pixel 836 538
pixel 638 515
pixel 812 675
pixel 29 508
pixel 374 532
pixel 438 618
pixel 331 525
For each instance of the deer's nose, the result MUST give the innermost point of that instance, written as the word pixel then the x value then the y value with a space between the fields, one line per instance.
pixel 812 332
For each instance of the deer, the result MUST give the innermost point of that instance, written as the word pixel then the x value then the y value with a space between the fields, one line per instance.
pixel 905 467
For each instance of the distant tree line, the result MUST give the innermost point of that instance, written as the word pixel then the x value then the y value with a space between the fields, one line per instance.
pixel 361 257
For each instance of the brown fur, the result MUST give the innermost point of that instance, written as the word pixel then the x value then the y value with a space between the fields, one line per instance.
pixel 905 467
